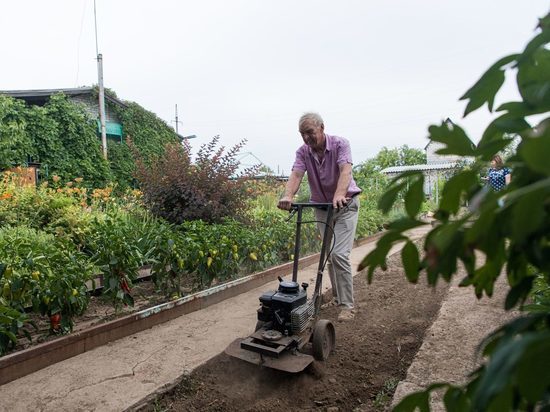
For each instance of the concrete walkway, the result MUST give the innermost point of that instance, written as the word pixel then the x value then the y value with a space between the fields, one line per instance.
pixel 125 372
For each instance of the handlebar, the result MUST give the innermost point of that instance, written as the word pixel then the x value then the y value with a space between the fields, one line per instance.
pixel 296 206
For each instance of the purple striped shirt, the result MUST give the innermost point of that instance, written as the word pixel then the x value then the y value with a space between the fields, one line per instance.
pixel 323 175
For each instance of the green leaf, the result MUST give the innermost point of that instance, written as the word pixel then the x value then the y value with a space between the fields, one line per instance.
pixel 455 186
pixel 454 138
pixel 528 214
pixel 487 86
pixel 520 109
pixel 480 227
pixel 535 44
pixel 377 257
pixel 388 198
pixel 518 292
pixel 410 403
pixel 414 197
pixel 443 235
pixel 533 79
pixel 536 152
pixel 11 336
pixel 456 400
pixel 404 224
pixel 411 261
pixel 113 282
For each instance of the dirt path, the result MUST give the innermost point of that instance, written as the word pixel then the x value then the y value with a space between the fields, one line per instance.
pixel 372 356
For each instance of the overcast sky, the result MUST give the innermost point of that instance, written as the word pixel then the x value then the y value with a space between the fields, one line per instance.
pixel 378 71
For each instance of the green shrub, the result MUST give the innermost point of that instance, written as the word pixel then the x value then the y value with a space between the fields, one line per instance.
pixel 178 189
pixel 370 221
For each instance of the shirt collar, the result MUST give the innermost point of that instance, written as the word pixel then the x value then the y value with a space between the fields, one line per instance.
pixel 328 145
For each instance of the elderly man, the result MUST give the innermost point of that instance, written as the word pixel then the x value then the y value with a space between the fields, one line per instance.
pixel 327 161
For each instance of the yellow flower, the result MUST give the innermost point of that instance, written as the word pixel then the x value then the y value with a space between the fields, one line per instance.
pixel 253 256
pixel 78 180
pixel 208 261
pixel 75 292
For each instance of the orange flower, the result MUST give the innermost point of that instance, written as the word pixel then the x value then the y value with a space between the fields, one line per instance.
pixel 56 178
pixel 5 196
pixel 78 179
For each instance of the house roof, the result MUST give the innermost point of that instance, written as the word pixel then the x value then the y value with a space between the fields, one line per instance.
pixel 40 96
pixel 420 168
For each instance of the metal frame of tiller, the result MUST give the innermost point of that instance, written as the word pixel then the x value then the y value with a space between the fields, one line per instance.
pixel 267 347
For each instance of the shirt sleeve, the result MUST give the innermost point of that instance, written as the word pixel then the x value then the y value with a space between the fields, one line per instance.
pixel 506 171
pixel 299 161
pixel 344 152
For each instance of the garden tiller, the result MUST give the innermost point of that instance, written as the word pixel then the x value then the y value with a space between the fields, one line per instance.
pixel 287 319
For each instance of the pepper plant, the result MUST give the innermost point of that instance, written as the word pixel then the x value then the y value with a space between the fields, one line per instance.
pixel 43 273
pixel 116 252
pixel 506 232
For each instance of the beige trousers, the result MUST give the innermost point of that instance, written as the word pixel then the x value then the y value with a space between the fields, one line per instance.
pixel 340 272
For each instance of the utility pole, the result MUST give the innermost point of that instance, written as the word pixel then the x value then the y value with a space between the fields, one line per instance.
pixel 177 120
pixel 102 105
pixel 101 92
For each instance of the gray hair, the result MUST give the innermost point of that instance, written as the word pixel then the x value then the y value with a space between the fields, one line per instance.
pixel 311 116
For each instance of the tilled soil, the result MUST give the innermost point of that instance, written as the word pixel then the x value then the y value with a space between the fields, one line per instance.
pixel 372 355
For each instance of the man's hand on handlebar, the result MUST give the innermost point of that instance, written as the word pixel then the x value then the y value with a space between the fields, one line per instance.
pixel 285 203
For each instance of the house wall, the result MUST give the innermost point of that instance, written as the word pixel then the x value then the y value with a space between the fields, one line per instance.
pixel 91 105
pixel 432 157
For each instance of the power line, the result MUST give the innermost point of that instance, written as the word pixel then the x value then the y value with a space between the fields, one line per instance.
pixel 95 22
pixel 78 43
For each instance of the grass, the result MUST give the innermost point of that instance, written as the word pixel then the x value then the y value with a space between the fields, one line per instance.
pixel 383 397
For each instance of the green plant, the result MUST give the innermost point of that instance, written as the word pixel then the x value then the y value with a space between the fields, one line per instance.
pixel 11 323
pixel 510 229
pixel 178 189
pixel 15 143
pixel 149 135
pixel 114 248
pixel 44 273
pixel 383 397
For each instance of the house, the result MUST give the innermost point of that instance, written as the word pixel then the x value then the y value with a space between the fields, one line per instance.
pixel 438 167
pixel 86 96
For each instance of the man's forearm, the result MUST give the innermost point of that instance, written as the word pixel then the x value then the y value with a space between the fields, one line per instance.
pixel 343 181
pixel 293 184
